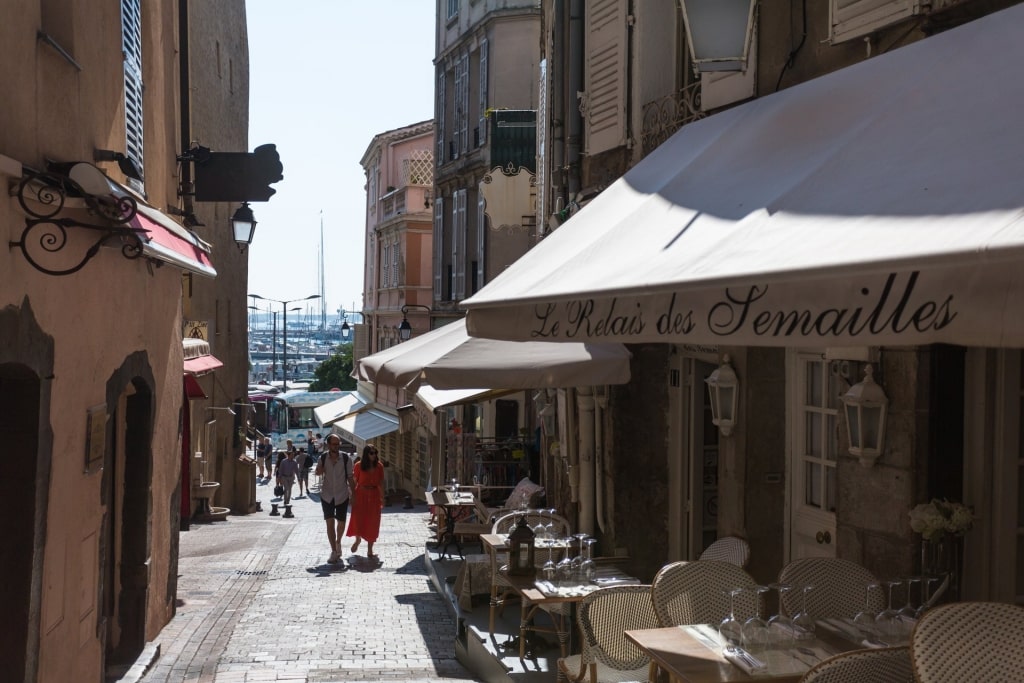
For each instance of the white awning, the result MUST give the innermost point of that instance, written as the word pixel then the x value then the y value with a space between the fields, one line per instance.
pixel 880 204
pixel 369 424
pixel 431 399
pixel 349 403
pixel 448 358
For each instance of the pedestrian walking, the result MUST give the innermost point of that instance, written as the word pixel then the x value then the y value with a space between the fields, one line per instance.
pixel 368 501
pixel 263 451
pixel 335 491
pixel 286 473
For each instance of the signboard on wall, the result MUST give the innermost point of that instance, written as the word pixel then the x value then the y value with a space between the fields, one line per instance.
pixel 195 329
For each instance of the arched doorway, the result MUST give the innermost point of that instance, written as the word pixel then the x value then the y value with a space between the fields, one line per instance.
pixel 128 516
pixel 19 433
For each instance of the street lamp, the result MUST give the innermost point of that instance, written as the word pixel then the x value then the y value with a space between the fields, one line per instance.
pixel 284 308
pixel 404 328
pixel 243 225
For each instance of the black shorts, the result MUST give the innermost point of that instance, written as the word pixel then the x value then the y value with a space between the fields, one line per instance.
pixel 338 511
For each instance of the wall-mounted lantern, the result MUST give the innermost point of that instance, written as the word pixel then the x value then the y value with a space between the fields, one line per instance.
pixel 723 389
pixel 718 33
pixel 243 225
pixel 866 408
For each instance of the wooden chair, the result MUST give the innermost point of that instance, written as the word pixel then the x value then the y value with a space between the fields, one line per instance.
pixel 884 665
pixel 731 549
pixel 839 587
pixel 501 587
pixel 969 641
pixel 602 618
pixel 698 593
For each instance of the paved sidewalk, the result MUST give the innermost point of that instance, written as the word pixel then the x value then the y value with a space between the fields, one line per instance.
pixel 258 603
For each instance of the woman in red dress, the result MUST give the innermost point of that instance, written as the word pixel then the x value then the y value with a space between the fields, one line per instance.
pixel 364 522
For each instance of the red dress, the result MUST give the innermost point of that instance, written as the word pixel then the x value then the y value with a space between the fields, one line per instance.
pixel 364 521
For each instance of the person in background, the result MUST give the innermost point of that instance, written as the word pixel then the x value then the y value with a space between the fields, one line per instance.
pixel 281 457
pixel 263 451
pixel 302 474
pixel 335 491
pixel 364 524
pixel 286 472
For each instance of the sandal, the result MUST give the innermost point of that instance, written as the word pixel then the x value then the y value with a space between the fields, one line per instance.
pixel 355 546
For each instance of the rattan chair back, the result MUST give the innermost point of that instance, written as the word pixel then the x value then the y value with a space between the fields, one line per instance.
pixel 969 641
pixel 603 618
pixel 839 587
pixel 884 665
pixel 731 549
pixel 504 523
pixel 698 592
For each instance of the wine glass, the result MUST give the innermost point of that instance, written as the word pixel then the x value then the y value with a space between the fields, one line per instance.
pixel 887 620
pixel 549 528
pixel 588 567
pixel 549 570
pixel 803 621
pixel 564 566
pixel 755 629
pixel 926 593
pixel 577 561
pixel 539 528
pixel 865 619
pixel 783 633
pixel 907 615
pixel 731 629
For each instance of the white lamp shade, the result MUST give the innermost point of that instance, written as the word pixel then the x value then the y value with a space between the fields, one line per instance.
pixel 723 390
pixel 718 33
pixel 866 407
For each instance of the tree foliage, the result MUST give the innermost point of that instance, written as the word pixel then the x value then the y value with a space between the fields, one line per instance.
pixel 335 372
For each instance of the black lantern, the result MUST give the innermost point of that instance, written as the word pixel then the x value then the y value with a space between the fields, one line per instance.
pixel 243 225
pixel 521 549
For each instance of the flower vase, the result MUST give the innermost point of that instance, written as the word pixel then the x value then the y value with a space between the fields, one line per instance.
pixel 943 557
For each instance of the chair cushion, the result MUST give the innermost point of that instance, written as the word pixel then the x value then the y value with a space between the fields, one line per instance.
pixel 534 494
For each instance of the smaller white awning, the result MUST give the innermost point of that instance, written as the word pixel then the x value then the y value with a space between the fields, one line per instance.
pixel 364 426
pixel 350 402
pixel 431 399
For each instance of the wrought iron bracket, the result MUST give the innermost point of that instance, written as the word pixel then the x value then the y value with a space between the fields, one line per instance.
pixel 43 196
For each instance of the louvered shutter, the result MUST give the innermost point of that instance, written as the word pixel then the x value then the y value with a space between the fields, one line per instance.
pixel 463 131
pixel 481 239
pixel 395 249
pixel 483 93
pixel 131 46
pixel 855 18
pixel 441 155
pixel 438 248
pixel 459 244
pixel 605 75
pixel 542 136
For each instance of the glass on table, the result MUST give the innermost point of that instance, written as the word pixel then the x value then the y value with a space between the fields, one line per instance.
pixel 926 593
pixel 588 568
pixel 780 626
pixel 803 621
pixel 865 619
pixel 549 528
pixel 887 620
pixel 731 628
pixel 566 577
pixel 755 629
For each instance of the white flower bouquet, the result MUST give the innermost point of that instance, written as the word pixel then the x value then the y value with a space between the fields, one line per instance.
pixel 939 517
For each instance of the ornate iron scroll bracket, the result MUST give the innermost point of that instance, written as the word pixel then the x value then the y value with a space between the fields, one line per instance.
pixel 43 196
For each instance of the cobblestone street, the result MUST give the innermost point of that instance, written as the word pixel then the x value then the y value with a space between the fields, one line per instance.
pixel 257 602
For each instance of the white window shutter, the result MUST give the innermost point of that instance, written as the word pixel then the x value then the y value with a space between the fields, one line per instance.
pixel 131 46
pixel 394 264
pixel 605 75
pixel 438 248
pixel 851 19
pixel 483 92
pixel 464 100
pixel 441 153
pixel 481 239
pixel 459 245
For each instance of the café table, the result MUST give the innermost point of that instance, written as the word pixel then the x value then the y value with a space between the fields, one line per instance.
pixel 694 654
pixel 450 501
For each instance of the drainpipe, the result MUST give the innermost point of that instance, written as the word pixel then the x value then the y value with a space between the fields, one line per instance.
pixel 585 401
pixel 600 404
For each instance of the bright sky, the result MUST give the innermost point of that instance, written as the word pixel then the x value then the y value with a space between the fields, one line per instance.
pixel 325 77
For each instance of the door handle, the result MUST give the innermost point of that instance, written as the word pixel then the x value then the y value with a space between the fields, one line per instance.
pixel 823 537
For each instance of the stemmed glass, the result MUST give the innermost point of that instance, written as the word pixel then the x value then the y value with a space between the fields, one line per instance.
pixel 731 629
pixel 907 614
pixel 865 619
pixel 926 593
pixel 549 528
pixel 755 629
pixel 549 570
pixel 564 567
pixel 539 529
pixel 804 620
pixel 577 561
pixel 588 567
pixel 887 618
pixel 784 623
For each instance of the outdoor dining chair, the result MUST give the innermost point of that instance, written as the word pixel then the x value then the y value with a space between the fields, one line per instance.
pixel 501 586
pixel 731 549
pixel 603 617
pixel 840 588
pixel 698 593
pixel 969 641
pixel 883 665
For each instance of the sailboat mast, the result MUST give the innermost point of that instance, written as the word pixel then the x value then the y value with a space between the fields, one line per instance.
pixel 323 284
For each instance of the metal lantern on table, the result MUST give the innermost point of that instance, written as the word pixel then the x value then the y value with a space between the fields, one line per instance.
pixel 521 549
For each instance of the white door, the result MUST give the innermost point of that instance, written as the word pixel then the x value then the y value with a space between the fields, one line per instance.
pixel 813 391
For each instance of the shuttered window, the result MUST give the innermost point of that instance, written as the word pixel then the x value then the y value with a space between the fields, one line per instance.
pixel 441 154
pixel 481 239
pixel 459 244
pixel 438 248
pixel 605 75
pixel 394 263
pixel 855 18
pixel 542 136
pixel 131 47
pixel 482 123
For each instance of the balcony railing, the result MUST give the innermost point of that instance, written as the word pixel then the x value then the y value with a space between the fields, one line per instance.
pixel 666 115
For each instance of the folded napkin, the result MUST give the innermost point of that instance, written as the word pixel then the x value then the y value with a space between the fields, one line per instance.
pixel 874 642
pixel 750 664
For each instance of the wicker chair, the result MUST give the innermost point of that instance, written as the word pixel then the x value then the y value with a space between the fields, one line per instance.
pixel 731 549
pixel 605 655
pixel 885 665
pixel 969 641
pixel 501 587
pixel 697 592
pixel 839 587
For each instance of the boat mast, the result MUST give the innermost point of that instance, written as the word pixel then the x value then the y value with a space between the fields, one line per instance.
pixel 323 287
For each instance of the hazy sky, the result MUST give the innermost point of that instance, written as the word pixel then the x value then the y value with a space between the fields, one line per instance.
pixel 325 77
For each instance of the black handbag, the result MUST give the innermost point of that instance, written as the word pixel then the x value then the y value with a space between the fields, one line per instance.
pixel 278 490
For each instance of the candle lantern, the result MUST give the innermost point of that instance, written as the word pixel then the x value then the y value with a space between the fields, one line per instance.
pixel 521 549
